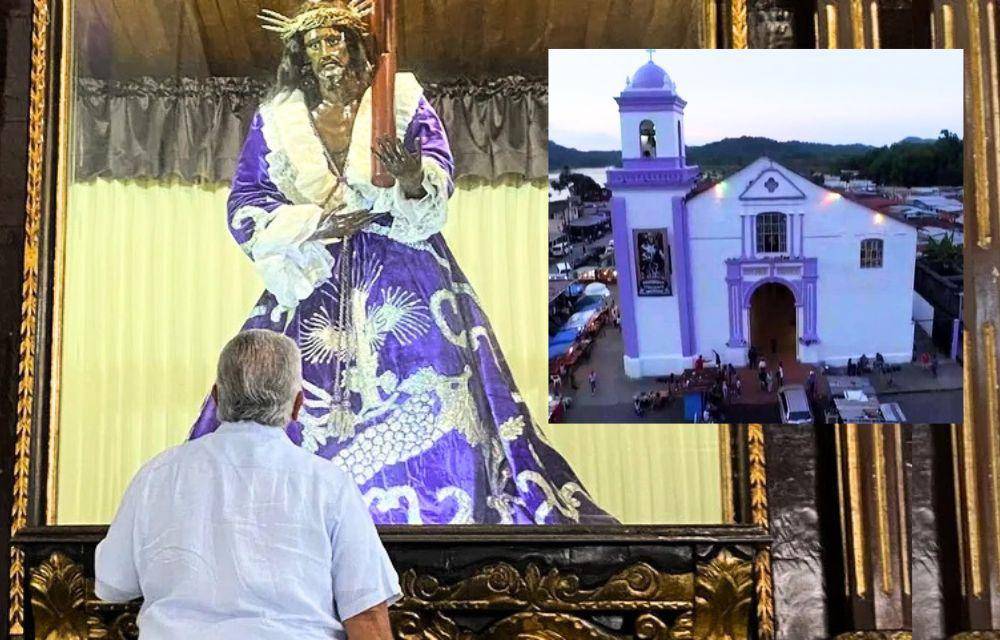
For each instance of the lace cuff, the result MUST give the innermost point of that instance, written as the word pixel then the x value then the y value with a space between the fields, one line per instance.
pixel 291 264
pixel 416 220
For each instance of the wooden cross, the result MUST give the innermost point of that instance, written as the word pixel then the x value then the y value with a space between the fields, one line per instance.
pixel 383 30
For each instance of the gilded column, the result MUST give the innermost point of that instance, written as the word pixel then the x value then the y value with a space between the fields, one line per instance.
pixel 972 25
pixel 975 454
pixel 874 525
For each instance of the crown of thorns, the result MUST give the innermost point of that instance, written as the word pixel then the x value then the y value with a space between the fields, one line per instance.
pixel 346 17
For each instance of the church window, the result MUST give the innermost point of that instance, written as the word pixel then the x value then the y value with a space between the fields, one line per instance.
pixel 871 253
pixel 772 232
pixel 647 139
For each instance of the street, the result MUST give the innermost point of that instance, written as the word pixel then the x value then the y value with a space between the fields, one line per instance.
pixel 930 407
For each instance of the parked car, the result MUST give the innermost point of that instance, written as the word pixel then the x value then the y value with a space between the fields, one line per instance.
pixel 587 274
pixel 559 248
pixel 794 405
pixel 561 271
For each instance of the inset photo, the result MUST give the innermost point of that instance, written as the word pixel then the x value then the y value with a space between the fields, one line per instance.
pixel 755 236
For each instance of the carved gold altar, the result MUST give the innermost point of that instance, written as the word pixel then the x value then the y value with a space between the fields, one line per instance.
pixel 645 583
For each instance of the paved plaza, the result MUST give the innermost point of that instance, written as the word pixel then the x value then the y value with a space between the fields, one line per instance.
pixel 922 396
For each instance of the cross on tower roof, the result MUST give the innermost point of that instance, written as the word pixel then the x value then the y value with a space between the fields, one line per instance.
pixel 650 52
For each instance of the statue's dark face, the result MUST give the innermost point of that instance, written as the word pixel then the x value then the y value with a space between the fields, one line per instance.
pixel 328 51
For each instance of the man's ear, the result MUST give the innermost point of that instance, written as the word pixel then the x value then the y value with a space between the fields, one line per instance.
pixel 297 404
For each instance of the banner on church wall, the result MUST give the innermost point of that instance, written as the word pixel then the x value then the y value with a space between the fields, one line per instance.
pixel 652 262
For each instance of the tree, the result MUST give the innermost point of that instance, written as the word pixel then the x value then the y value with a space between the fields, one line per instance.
pixel 584 187
pixel 944 255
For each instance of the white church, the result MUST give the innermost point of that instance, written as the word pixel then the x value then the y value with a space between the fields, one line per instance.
pixel 764 258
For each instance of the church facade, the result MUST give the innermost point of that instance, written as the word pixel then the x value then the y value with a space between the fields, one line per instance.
pixel 764 258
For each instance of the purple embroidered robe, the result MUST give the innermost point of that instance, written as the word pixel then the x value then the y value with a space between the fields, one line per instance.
pixel 427 419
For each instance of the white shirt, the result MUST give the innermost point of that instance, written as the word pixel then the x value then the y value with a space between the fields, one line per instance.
pixel 241 534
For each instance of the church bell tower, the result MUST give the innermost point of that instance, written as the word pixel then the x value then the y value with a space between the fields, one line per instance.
pixel 650 227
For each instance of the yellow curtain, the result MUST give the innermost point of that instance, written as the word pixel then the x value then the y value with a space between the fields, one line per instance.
pixel 153 286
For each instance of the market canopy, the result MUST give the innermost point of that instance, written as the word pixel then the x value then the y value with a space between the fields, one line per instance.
pixel 559 350
pixel 589 221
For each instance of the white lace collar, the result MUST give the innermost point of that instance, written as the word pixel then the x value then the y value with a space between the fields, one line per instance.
pixel 288 129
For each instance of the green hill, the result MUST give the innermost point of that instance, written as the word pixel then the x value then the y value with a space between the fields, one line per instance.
pixel 727 155
pixel 560 156
pixel 912 161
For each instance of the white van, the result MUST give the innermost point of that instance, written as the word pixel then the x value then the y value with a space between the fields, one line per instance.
pixel 560 248
pixel 794 405
pixel 561 271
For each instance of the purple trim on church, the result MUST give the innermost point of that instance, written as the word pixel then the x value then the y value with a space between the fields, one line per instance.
pixel 743 236
pixel 790 230
pixel 647 164
pixel 772 169
pixel 626 281
pixel 745 275
pixel 685 285
pixel 650 100
pixel 651 178
pixel 733 284
pixel 802 220
pixel 810 274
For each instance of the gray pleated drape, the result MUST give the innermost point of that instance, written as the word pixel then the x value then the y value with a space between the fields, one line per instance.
pixel 193 128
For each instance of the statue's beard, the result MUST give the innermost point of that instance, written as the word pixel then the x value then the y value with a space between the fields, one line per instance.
pixel 331 75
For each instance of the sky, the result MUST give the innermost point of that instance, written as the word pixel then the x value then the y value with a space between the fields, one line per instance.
pixel 838 96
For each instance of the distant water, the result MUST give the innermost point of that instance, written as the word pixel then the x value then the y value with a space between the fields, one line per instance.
pixel 599 175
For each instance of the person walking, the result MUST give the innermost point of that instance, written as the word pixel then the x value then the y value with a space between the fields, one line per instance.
pixel 934 365
pixel 811 384
pixel 781 373
pixel 770 382
pixel 592 378
pixel 725 392
pixel 739 388
pixel 555 385
pixel 752 357
pixel 850 366
pixel 718 360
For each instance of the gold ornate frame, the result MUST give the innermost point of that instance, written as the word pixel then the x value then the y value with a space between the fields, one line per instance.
pixel 968 23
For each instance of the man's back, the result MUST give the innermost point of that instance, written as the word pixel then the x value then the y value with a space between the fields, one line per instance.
pixel 241 534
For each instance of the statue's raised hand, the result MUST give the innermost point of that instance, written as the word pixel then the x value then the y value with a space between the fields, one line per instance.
pixel 406 167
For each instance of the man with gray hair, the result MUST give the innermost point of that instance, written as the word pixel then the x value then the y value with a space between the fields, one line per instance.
pixel 242 534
